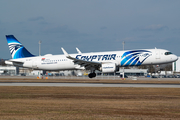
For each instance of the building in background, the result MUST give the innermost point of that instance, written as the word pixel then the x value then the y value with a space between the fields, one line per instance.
pixel 176 66
pixel 8 70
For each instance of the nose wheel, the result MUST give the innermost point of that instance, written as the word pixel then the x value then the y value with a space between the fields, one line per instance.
pixel 91 75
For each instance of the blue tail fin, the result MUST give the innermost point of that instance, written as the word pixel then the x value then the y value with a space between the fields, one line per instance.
pixel 17 50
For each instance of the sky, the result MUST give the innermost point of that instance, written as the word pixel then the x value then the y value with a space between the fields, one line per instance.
pixel 90 25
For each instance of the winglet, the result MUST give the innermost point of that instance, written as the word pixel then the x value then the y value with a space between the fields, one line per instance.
pixel 65 53
pixel 78 51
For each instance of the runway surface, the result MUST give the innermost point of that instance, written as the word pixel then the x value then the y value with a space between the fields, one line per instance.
pixel 148 85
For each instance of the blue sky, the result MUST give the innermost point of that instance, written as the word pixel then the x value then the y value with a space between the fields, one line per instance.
pixel 90 25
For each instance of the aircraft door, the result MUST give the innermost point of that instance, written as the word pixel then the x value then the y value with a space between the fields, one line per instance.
pixel 157 54
pixel 34 63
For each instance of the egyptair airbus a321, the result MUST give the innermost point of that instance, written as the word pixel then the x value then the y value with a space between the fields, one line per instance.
pixel 103 61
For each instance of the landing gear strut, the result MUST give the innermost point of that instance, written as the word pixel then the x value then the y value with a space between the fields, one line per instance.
pixel 91 75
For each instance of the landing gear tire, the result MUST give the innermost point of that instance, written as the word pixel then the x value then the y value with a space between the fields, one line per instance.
pixel 91 75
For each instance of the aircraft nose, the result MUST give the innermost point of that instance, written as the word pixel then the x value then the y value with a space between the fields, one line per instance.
pixel 174 58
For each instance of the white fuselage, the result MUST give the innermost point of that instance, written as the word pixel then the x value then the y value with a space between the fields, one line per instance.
pixel 120 58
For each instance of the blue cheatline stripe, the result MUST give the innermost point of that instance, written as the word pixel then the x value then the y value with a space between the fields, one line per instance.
pixel 128 57
pixel 139 51
pixel 139 63
pixel 125 60
pixel 145 58
pixel 130 61
pixel 135 61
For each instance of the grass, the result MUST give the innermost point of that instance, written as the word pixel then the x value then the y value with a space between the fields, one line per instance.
pixel 52 103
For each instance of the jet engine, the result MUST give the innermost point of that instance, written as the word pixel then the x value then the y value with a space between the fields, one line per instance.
pixel 109 68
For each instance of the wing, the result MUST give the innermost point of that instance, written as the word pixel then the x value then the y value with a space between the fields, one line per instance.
pixel 83 63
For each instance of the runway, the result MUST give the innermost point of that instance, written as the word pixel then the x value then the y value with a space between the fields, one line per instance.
pixel 141 85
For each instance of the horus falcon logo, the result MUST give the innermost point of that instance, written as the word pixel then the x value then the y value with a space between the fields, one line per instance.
pixel 134 58
pixel 14 47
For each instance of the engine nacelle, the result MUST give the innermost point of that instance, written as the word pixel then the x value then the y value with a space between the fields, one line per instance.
pixel 109 67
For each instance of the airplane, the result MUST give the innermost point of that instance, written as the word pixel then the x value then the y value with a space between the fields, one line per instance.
pixel 103 61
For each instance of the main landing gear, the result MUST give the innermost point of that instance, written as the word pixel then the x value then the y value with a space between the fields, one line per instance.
pixel 91 75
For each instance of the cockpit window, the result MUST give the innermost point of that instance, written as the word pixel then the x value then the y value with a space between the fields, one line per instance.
pixel 168 53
